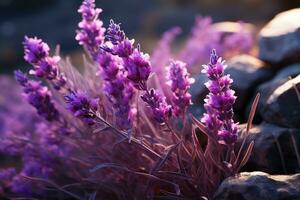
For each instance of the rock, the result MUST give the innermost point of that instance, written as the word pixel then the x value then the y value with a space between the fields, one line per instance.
pixel 259 186
pixel 279 40
pixel 274 149
pixel 198 89
pixel 232 27
pixel 267 88
pixel 246 72
pixel 283 106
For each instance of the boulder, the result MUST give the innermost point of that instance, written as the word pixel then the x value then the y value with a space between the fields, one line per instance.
pixel 228 27
pixel 246 72
pixel 275 149
pixel 259 186
pixel 267 88
pixel 198 89
pixel 279 40
pixel 283 105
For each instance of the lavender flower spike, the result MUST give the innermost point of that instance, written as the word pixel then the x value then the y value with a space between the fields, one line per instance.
pixel 35 50
pixel 219 101
pixel 82 106
pixel 117 89
pixel 180 83
pixel 160 109
pixel 91 32
pixel 138 69
pixel 117 42
pixel 38 96
pixel 44 66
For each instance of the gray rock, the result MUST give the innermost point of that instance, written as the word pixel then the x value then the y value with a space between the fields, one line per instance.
pixel 279 40
pixel 267 88
pixel 274 149
pixel 198 89
pixel 246 72
pixel 259 186
pixel 283 106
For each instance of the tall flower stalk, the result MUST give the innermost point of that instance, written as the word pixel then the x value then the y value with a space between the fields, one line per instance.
pixel 91 35
pixel 91 32
pixel 219 102
pixel 138 69
pixel 38 96
pixel 44 66
pixel 180 82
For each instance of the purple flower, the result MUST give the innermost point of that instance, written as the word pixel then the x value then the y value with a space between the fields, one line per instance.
pixel 138 69
pixel 219 102
pixel 117 89
pixel 117 42
pixel 91 32
pixel 114 33
pixel 44 66
pixel 82 106
pixel 35 50
pixel 136 63
pixel 31 168
pixel 180 83
pixel 160 109
pixel 38 96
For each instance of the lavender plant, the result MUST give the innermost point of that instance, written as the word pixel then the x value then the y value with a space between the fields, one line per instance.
pixel 82 148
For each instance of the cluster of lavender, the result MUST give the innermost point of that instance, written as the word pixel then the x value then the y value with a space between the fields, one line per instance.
pixel 138 68
pixel 65 158
pixel 180 84
pixel 38 96
pixel 119 92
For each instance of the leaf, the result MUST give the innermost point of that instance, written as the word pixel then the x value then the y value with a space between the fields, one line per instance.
pixel 175 175
pixel 246 156
pixel 107 165
pixel 252 113
pixel 100 129
pixel 201 126
pixel 161 161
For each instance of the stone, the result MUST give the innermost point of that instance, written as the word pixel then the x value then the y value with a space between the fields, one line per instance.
pixel 228 27
pixel 279 40
pixel 267 88
pixel 246 72
pixel 198 89
pixel 259 186
pixel 283 105
pixel 275 149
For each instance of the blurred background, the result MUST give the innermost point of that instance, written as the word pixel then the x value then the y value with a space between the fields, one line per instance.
pixel 56 20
